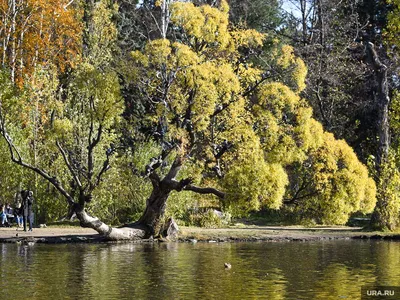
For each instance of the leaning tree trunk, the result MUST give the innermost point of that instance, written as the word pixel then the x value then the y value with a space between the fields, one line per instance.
pixel 108 232
pixel 148 225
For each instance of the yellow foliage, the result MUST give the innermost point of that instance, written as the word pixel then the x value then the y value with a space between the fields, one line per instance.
pixel 200 87
pixel 392 29
pixel 185 56
pixel 189 17
pixel 251 182
pixel 249 75
pixel 158 51
pixel 283 123
pixel 394 114
pixel 139 58
pixel 340 181
pixel 309 132
pixel 292 67
pixel 387 209
pixel 62 128
pixel 299 74
pixel 40 102
pixel 98 92
pixel 103 34
pixel 208 27
pixel 247 38
pixel 224 6
pixel 286 57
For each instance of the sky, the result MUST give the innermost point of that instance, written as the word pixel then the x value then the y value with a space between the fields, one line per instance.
pixel 290 7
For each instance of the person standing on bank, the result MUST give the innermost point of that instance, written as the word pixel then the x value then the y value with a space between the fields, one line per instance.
pixel 27 202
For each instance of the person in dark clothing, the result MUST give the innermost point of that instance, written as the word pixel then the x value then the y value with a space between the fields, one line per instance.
pixel 18 214
pixel 27 202
pixel 18 210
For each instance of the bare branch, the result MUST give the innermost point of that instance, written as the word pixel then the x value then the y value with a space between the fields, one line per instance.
pixel 222 107
pixel 68 4
pixel 175 168
pixel 156 162
pixel 70 168
pixel 155 20
pixel 204 190
pixel 92 145
pixel 221 149
pixel 105 168
pixel 19 160
pixel 321 106
pixel 295 200
pixel 186 185
pixel 256 85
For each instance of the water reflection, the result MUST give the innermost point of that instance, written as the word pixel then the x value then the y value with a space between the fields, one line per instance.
pixel 317 270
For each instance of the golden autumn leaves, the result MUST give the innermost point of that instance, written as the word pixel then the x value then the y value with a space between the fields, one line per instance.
pixel 36 32
pixel 279 149
pixel 208 91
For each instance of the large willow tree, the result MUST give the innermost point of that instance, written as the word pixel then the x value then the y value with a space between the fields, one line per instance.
pixel 242 129
pixel 242 132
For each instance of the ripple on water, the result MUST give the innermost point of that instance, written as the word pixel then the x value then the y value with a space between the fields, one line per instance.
pixel 312 270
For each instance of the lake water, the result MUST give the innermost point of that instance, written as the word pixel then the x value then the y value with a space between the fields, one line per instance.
pixel 282 270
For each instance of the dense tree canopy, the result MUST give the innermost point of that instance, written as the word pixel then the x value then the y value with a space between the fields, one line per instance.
pixel 350 50
pixel 172 96
pixel 36 32
pixel 246 130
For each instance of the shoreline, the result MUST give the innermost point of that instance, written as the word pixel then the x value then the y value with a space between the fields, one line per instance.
pixel 61 235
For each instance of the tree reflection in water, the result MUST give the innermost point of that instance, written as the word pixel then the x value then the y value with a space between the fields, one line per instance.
pixel 300 270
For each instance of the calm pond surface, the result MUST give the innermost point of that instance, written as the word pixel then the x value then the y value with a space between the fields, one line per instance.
pixel 282 270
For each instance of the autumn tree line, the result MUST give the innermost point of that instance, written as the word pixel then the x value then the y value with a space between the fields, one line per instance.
pixel 128 112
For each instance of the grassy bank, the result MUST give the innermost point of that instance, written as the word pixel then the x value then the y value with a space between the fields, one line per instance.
pixel 279 233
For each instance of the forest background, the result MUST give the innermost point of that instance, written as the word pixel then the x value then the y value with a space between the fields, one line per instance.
pixel 289 108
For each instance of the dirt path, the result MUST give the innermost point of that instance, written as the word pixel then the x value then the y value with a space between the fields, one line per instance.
pixel 45 232
pixel 248 233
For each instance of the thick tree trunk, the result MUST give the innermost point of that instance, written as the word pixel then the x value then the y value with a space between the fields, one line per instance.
pixel 156 203
pixel 380 215
pixel 382 101
pixel 155 208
